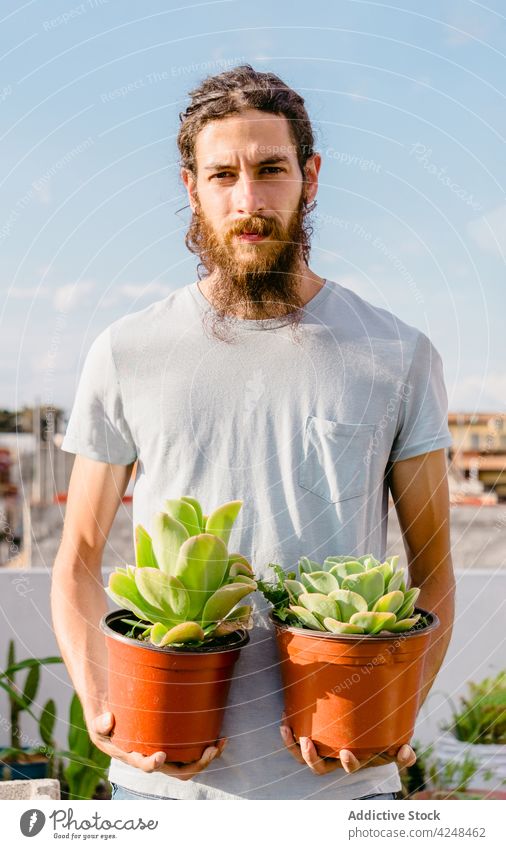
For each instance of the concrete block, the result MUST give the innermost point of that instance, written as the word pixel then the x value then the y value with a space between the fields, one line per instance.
pixel 38 788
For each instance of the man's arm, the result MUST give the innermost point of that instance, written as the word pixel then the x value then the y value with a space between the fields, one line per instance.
pixel 78 602
pixel 419 488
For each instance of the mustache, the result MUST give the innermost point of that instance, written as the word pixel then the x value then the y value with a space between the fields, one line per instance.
pixel 256 224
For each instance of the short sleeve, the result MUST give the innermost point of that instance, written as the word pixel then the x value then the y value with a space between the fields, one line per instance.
pixel 97 427
pixel 423 415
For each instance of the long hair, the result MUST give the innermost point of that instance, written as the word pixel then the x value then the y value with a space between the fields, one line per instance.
pixel 231 93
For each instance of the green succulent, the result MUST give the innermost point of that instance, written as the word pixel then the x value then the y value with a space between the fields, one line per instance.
pixel 346 595
pixel 185 586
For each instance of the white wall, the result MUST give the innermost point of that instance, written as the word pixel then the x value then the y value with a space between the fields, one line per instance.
pixel 477 648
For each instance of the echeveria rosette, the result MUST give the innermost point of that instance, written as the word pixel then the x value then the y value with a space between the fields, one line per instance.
pixel 185 582
pixel 348 595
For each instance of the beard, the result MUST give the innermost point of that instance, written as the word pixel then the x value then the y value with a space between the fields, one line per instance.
pixel 259 279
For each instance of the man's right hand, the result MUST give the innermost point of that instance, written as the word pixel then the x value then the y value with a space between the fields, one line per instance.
pixel 100 729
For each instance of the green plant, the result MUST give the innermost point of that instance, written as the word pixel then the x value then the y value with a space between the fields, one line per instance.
pixel 80 767
pixel 185 586
pixel 453 776
pixel 345 595
pixel 21 700
pixel 482 714
pixel 87 765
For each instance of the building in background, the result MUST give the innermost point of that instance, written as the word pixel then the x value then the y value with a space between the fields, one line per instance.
pixel 478 454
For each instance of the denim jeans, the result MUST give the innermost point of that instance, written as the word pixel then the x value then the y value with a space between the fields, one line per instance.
pixel 119 792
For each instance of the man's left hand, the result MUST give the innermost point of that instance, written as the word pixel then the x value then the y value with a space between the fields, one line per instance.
pixel 305 752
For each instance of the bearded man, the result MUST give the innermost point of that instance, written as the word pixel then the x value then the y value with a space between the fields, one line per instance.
pixel 265 382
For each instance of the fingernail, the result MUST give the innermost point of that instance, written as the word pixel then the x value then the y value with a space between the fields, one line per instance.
pixel 159 759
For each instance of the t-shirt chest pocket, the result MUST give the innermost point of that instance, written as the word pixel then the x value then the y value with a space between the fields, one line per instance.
pixel 336 458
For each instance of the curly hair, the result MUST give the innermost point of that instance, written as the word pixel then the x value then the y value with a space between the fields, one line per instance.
pixel 234 91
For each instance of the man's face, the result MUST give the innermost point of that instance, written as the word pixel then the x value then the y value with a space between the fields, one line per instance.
pixel 249 208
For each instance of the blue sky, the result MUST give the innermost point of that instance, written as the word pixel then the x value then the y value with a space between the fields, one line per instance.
pixel 408 102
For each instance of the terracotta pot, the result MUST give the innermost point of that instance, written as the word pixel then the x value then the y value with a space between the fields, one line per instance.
pixel 168 699
pixel 348 691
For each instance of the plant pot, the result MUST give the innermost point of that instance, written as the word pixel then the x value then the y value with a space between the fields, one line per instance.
pixel 25 767
pixel 348 691
pixel 490 758
pixel 167 699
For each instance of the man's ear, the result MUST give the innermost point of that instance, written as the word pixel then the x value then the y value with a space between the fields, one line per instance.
pixel 311 170
pixel 190 182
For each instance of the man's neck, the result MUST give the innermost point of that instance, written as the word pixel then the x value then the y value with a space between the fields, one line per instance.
pixel 309 285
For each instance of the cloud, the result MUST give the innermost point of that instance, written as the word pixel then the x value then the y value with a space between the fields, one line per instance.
pixel 464 26
pixel 68 297
pixel 24 293
pixel 479 392
pixel 489 231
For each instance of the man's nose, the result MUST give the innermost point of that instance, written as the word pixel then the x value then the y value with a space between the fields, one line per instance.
pixel 248 198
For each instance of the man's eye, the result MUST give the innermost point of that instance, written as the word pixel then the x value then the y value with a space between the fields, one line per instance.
pixel 271 169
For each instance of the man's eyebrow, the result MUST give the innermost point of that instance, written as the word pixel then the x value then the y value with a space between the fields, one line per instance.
pixel 270 160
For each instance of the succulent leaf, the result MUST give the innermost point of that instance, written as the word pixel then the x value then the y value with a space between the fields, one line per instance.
pixel 307 618
pixel 370 562
pixel 396 581
pixel 201 566
pixel 238 565
pixel 185 632
pixel 321 605
pixel 223 601
pixel 373 623
pixel 346 568
pixel 123 590
pixel 198 510
pixel 349 603
pixel 185 513
pixel 386 570
pixel 144 554
pixel 244 579
pixel 319 582
pixel 239 617
pixel 389 603
pixel 295 588
pixel 410 598
pixel 404 624
pixel 368 584
pixel 163 591
pixel 221 520
pixel 306 565
pixel 341 627
pixel 168 537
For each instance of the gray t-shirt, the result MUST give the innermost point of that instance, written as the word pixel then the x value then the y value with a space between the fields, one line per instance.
pixel 303 431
